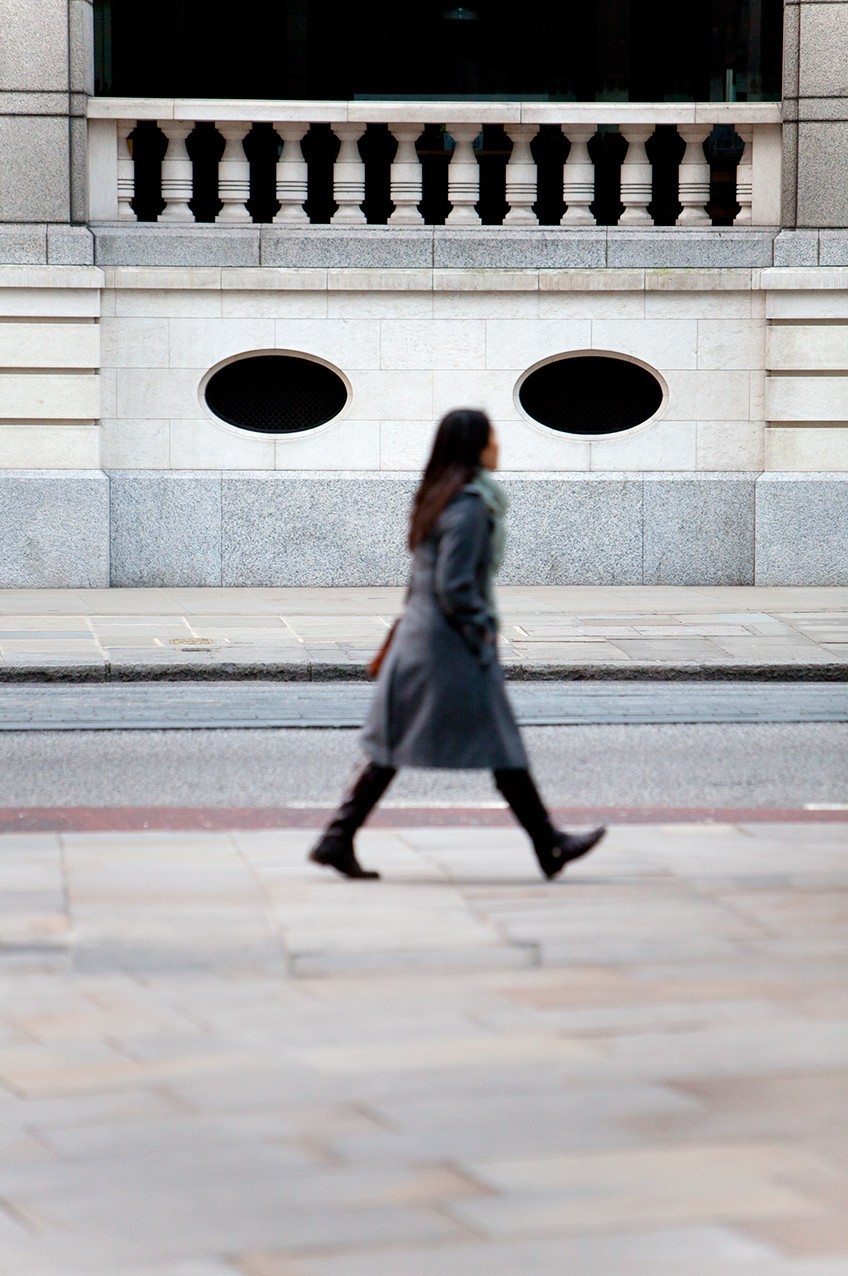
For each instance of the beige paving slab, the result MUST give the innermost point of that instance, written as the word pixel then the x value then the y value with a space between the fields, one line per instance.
pixel 658 1186
pixel 398 1110
pixel 702 1250
pixel 797 1106
pixel 475 1052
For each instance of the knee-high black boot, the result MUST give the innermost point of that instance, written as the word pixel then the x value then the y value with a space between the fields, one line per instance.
pixel 554 849
pixel 335 847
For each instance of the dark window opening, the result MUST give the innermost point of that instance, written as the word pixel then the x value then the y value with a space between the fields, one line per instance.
pixel 276 394
pixel 434 154
pixel 610 50
pixel 263 148
pixel 723 148
pixel 590 395
pixel 320 146
pixel 147 144
pixel 607 150
pixel 378 148
pixel 205 147
pixel 493 151
pixel 665 149
pixel 550 150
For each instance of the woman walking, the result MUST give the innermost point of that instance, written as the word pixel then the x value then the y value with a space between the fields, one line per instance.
pixel 440 698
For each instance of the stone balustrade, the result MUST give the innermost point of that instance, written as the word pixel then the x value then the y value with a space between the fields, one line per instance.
pixel 141 165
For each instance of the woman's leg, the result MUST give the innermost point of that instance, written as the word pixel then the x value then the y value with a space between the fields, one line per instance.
pixel 554 849
pixel 335 847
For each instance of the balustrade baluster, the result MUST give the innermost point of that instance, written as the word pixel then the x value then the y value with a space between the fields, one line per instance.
pixel 177 174
pixel 292 175
pixel 463 176
pixel 233 173
pixel 579 177
pixel 406 177
pixel 126 171
pixel 348 177
pixel 637 177
pixel 745 176
pixel 521 176
pixel 694 184
pixel 126 160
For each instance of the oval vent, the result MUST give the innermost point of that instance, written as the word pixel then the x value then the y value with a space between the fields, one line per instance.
pixel 276 393
pixel 590 394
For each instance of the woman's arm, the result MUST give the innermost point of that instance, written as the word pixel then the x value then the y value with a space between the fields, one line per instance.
pixel 464 536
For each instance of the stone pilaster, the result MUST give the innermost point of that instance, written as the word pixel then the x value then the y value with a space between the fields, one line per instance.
pixel 816 114
pixel 46 75
pixel 81 86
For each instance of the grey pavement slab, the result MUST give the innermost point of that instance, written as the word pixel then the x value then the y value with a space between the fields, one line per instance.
pixel 181 1106
pixel 327 634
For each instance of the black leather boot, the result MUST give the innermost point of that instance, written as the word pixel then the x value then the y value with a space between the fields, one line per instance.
pixel 554 849
pixel 335 847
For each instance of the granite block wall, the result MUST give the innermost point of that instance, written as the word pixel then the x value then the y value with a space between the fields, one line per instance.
pixel 165 529
pixel 802 529
pixel 86 529
pixel 54 529
pixel 262 529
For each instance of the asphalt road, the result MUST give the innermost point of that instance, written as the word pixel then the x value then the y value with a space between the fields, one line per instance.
pixel 644 745
pixel 770 765
pixel 192 705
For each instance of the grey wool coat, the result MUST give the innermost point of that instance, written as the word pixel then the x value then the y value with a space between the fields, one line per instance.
pixel 440 699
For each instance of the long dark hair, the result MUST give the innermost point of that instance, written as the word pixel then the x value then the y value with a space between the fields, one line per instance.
pixel 460 438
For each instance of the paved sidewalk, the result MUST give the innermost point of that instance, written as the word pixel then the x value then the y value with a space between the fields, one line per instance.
pixel 576 632
pixel 218 1060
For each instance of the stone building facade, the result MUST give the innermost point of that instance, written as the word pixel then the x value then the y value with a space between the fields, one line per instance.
pixel 116 468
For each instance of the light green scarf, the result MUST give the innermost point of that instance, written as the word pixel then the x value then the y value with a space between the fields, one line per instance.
pixel 497 503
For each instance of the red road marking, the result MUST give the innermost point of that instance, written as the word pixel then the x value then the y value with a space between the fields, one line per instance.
pixel 119 819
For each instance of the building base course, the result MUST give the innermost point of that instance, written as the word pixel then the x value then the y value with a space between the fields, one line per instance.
pixel 54 529
pixel 802 529
pixel 82 529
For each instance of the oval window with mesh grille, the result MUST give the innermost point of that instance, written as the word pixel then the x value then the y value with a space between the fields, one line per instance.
pixel 276 393
pixel 590 394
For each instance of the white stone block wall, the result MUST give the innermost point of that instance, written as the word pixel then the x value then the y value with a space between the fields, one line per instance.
pixel 807 370
pixel 49 362
pixel 755 364
pixel 415 343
